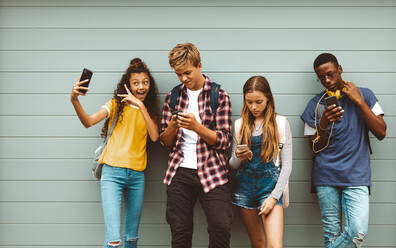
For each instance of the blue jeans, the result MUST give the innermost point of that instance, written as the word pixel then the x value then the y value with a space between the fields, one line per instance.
pixel 114 182
pixel 354 203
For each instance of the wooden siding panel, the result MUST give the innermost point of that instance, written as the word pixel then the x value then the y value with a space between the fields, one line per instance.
pixel 90 234
pixel 226 39
pixel 213 61
pixel 169 17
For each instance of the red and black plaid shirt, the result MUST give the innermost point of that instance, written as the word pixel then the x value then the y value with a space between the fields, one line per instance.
pixel 211 160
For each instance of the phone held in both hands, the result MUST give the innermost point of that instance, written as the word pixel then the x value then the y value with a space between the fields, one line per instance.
pixel 86 74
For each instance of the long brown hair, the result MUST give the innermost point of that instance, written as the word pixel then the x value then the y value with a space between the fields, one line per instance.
pixel 270 143
pixel 151 101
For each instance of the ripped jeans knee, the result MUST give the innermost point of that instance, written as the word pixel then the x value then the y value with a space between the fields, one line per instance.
pixel 358 240
pixel 131 243
pixel 128 243
pixel 114 244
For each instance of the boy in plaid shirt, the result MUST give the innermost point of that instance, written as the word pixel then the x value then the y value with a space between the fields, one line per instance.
pixel 198 139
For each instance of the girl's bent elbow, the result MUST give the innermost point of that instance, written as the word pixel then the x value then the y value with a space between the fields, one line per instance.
pixel 154 139
pixel 88 124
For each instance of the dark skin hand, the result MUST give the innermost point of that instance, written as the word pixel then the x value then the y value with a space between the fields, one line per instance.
pixel 376 124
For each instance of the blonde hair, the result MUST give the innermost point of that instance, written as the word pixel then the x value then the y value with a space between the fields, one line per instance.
pixel 182 54
pixel 270 142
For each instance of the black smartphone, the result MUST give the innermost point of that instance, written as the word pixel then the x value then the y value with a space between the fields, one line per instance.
pixel 330 100
pixel 175 112
pixel 86 74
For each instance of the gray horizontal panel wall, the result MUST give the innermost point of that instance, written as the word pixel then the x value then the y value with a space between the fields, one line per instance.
pixel 46 189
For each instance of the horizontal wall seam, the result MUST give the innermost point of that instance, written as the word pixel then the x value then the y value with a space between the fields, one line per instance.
pixel 297 159
pixel 203 28
pixel 148 180
pixel 110 94
pixel 225 72
pixel 202 50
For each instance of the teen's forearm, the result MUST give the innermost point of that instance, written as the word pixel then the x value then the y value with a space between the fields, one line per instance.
pixel 169 135
pixel 152 128
pixel 88 120
pixel 82 115
pixel 209 136
pixel 376 124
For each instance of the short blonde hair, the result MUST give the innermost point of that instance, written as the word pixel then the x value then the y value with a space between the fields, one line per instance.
pixel 182 54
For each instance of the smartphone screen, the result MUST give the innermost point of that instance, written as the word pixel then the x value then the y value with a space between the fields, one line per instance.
pixel 330 100
pixel 242 147
pixel 86 74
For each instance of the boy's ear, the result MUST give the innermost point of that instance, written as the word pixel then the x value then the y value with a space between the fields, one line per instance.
pixel 340 68
pixel 199 65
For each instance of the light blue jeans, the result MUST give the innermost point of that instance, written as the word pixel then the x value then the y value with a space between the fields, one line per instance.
pixel 115 183
pixel 353 202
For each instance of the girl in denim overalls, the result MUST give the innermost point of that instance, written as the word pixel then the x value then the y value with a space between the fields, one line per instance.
pixel 135 109
pixel 257 150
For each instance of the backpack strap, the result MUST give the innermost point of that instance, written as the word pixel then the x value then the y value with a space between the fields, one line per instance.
pixel 281 123
pixel 214 97
pixel 174 96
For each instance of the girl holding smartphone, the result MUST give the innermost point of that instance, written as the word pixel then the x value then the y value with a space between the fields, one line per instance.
pixel 136 106
pixel 257 150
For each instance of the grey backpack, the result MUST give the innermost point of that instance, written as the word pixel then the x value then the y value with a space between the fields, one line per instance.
pixel 97 167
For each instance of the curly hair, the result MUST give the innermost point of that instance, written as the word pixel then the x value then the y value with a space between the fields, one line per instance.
pixel 151 101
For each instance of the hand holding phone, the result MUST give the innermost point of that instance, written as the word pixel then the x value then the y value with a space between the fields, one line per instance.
pixel 330 100
pixel 85 75
pixel 242 147
pixel 243 152
pixel 334 113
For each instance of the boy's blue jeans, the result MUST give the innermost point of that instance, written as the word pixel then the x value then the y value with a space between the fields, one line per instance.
pixel 353 202
pixel 114 182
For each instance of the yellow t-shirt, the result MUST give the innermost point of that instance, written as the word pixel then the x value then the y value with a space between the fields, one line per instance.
pixel 126 147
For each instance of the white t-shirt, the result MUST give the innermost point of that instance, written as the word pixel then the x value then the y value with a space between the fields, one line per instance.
pixel 190 138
